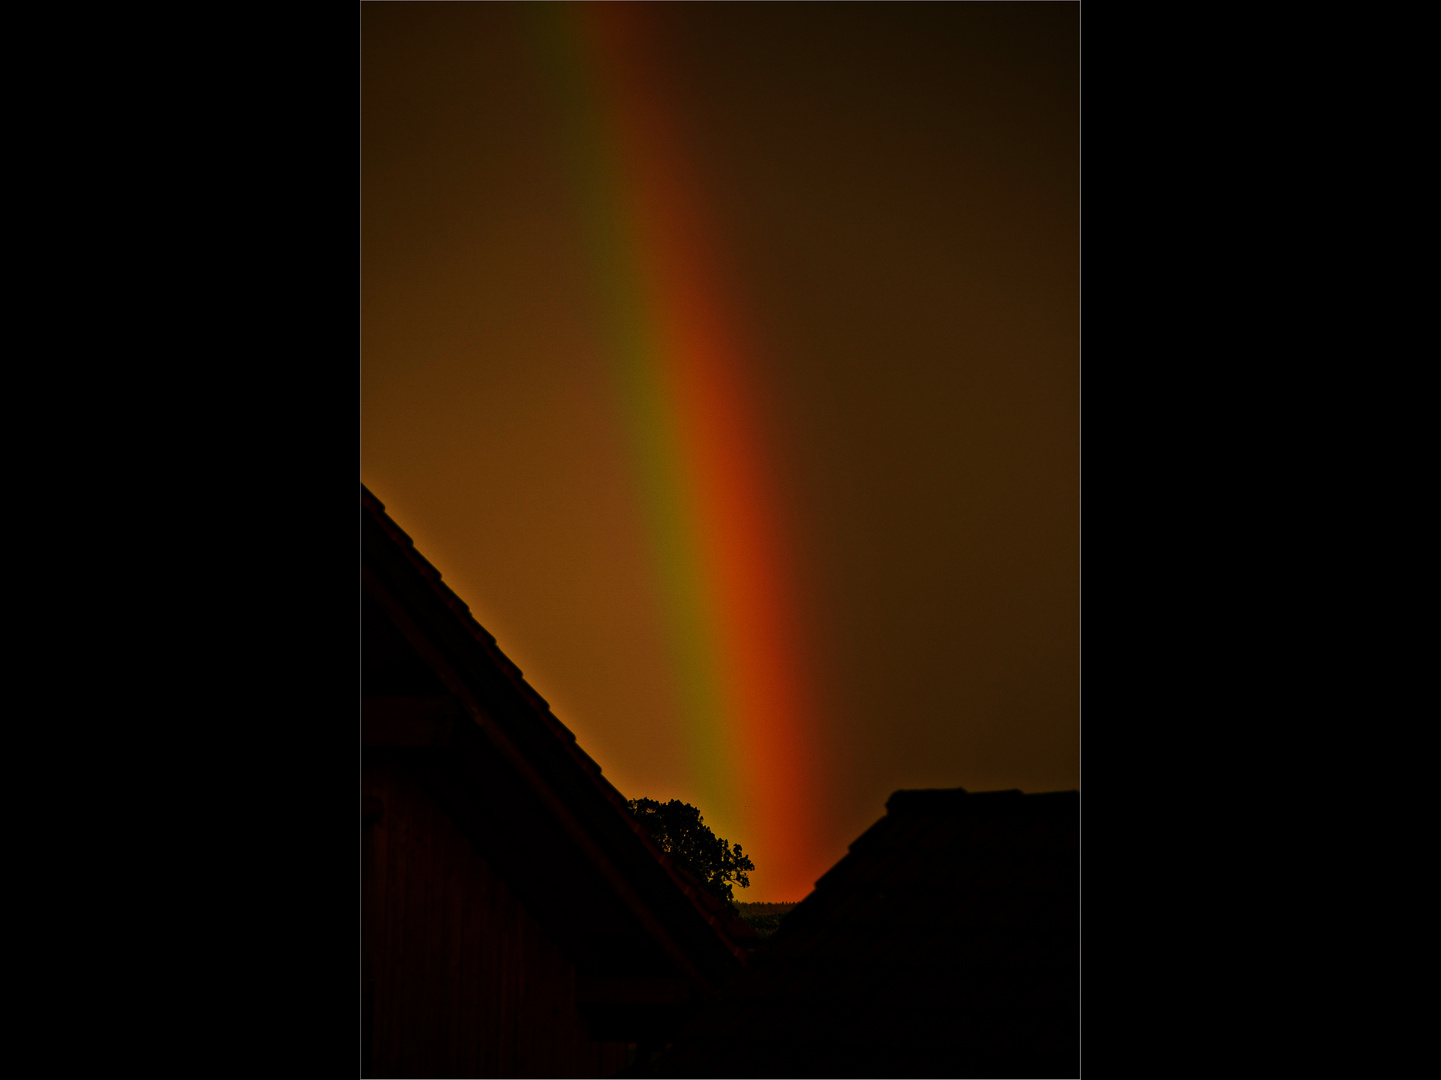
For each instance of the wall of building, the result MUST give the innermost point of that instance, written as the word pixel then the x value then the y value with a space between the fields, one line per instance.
pixel 459 979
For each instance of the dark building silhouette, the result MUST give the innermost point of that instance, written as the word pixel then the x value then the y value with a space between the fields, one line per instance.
pixel 517 921
pixel 946 944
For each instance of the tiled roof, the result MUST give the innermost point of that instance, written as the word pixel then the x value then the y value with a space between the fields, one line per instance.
pixel 946 943
pixel 737 938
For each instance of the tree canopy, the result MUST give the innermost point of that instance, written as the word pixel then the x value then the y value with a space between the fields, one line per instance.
pixel 679 830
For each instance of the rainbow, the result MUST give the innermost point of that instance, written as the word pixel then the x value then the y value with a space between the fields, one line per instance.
pixel 681 364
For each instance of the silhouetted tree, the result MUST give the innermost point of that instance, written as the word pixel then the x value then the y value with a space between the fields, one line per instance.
pixel 678 829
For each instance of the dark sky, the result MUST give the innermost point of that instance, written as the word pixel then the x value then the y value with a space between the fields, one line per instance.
pixel 892 198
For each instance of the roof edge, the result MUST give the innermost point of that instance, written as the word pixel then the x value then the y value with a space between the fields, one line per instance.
pixel 727 927
pixel 959 800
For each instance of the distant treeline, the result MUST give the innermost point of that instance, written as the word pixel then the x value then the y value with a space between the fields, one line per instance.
pixel 764 919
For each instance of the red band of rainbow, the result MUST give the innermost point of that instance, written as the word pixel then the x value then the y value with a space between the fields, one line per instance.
pixel 683 368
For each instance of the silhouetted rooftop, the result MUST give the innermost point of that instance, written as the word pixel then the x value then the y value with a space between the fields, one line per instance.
pixel 946 943
pixel 522 716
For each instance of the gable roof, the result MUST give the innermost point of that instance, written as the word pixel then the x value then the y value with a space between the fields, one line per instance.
pixel 441 698
pixel 946 943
